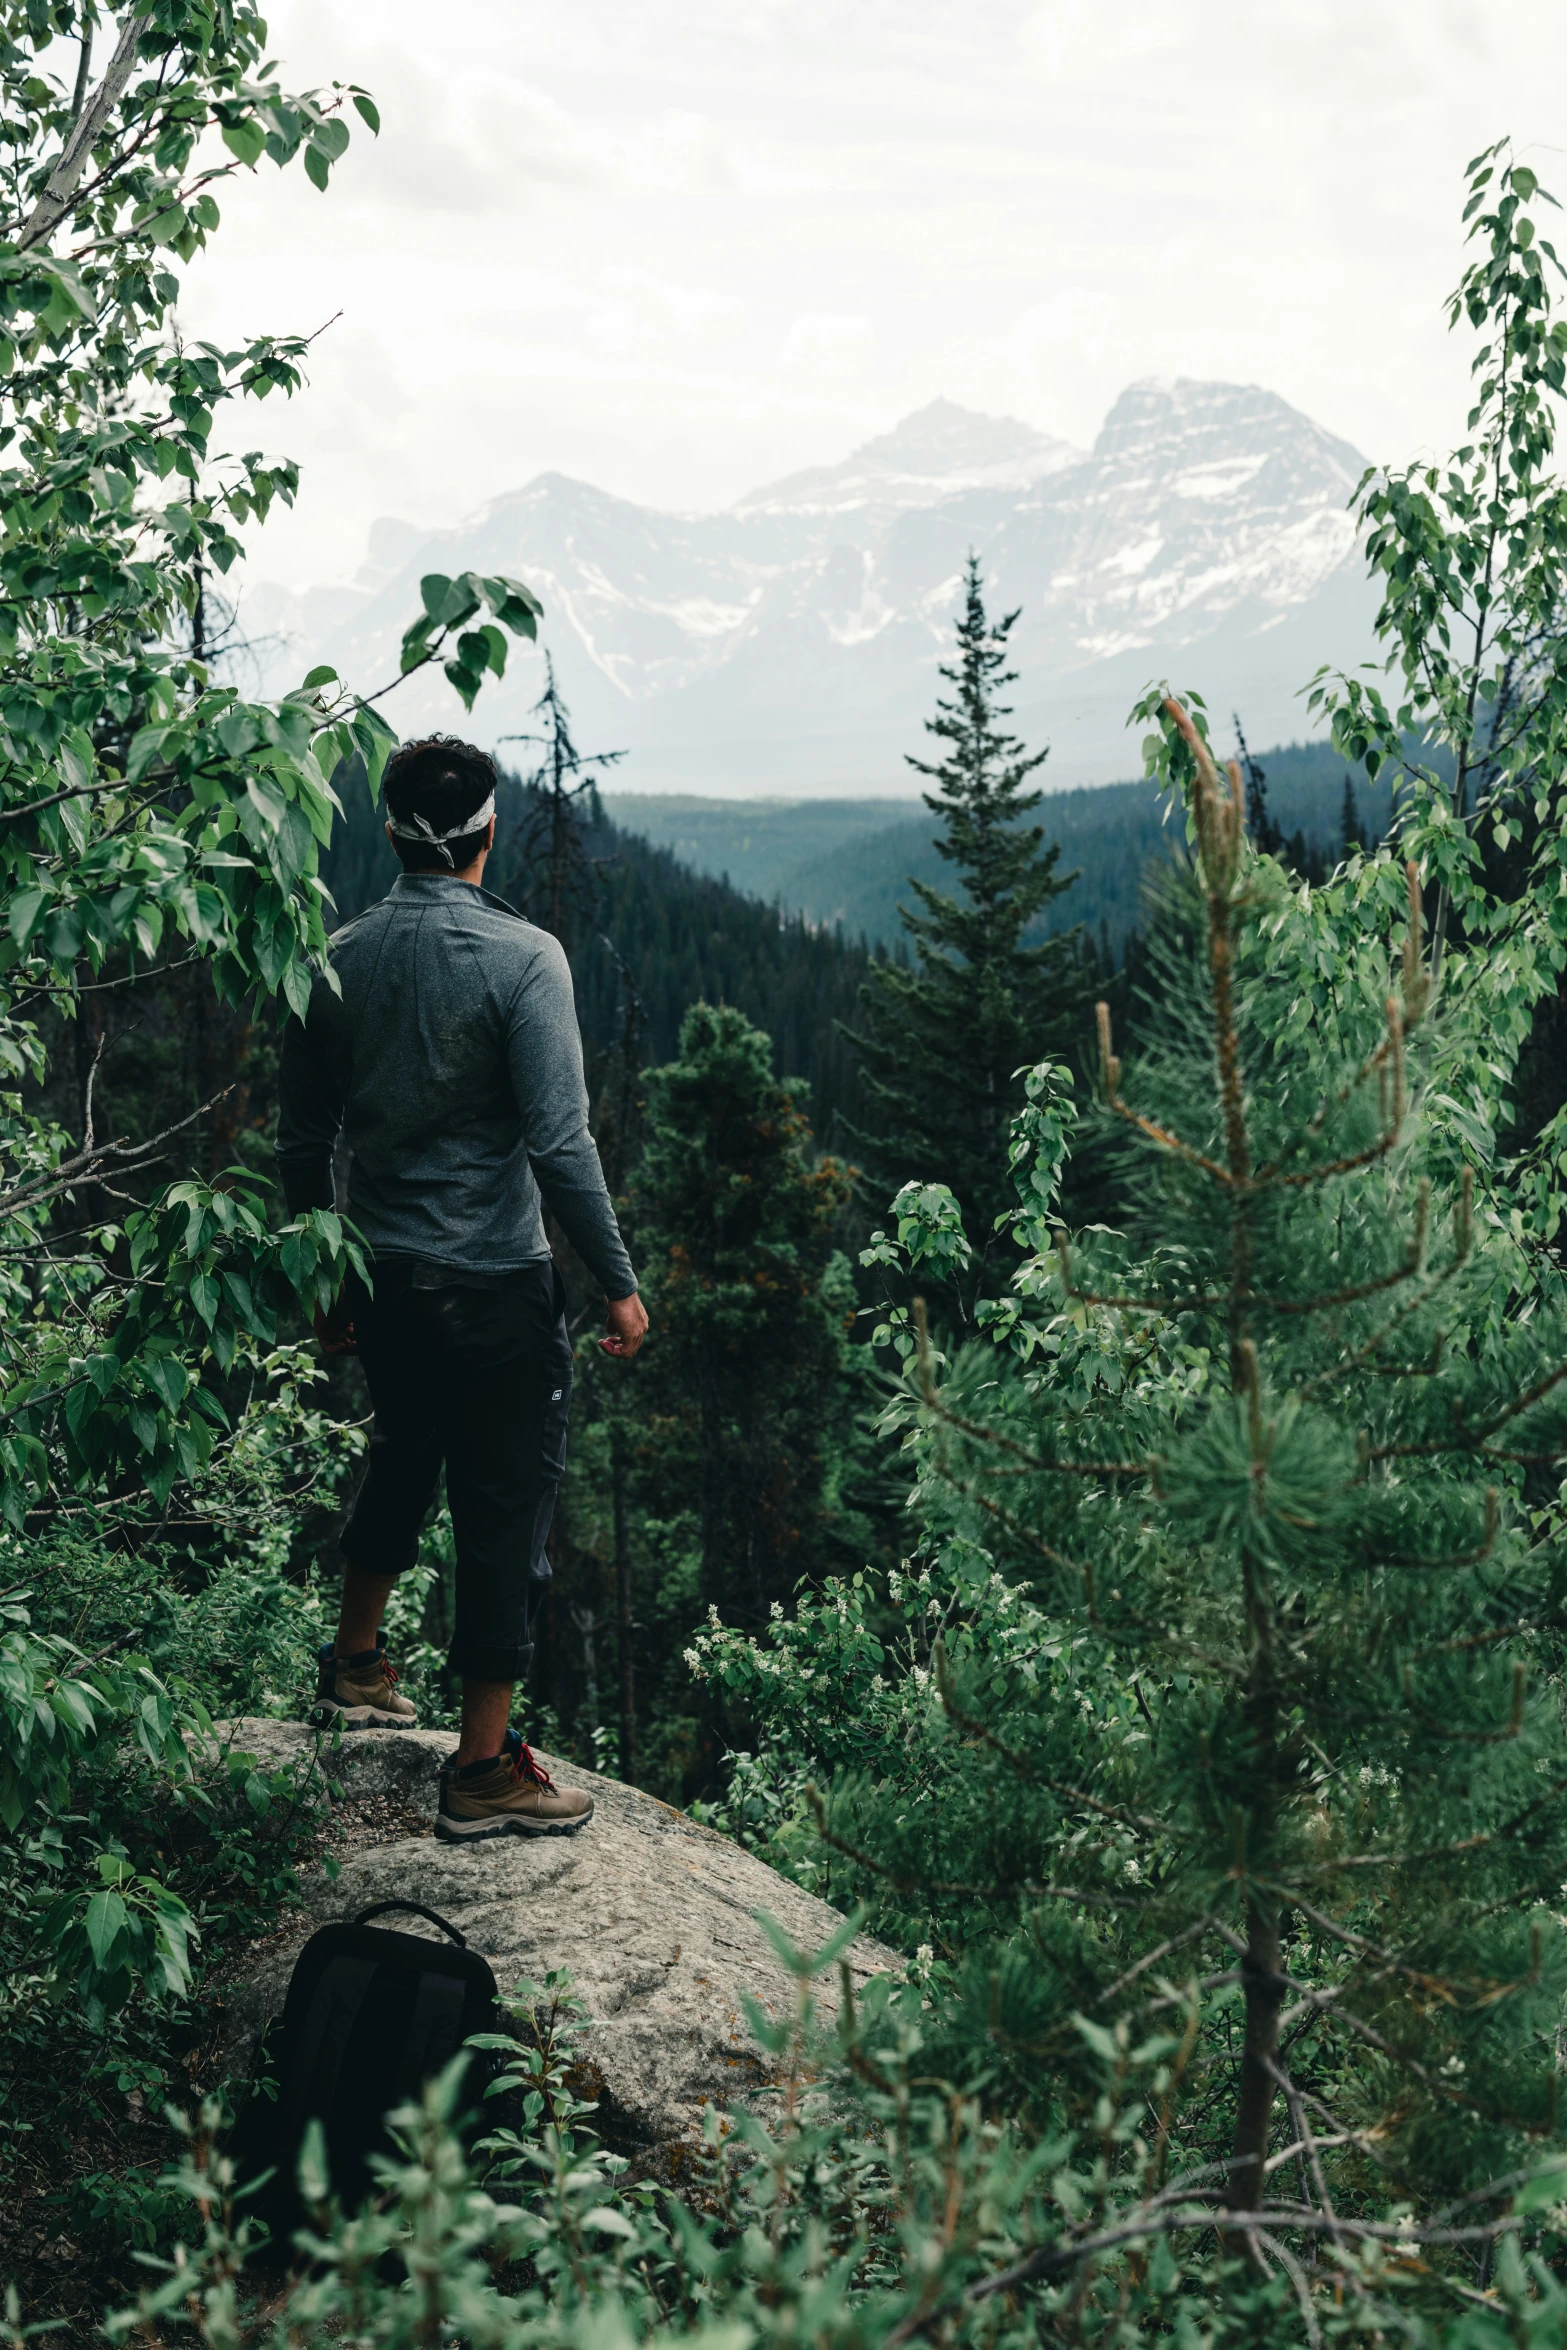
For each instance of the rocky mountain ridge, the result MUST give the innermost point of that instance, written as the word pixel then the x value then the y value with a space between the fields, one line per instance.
pixel 791 642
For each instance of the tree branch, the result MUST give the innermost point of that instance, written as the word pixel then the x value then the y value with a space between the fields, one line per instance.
pixel 55 201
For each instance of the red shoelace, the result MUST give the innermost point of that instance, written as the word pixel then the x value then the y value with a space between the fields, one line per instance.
pixel 527 1766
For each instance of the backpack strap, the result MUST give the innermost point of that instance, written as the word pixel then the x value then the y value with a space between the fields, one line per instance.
pixel 323 2037
pixel 434 2031
pixel 377 1907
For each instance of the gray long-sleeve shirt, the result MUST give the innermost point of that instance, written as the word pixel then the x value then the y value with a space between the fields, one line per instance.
pixel 452 1064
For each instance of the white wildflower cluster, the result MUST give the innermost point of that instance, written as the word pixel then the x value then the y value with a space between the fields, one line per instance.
pixel 698 1654
pixel 777 1611
pixel 918 1967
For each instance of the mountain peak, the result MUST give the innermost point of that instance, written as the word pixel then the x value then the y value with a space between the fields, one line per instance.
pixel 929 455
pixel 1188 419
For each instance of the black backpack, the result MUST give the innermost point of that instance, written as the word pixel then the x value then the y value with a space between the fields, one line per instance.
pixel 370 2016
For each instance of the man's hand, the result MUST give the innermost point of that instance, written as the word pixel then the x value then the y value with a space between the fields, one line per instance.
pixel 625 1327
pixel 335 1327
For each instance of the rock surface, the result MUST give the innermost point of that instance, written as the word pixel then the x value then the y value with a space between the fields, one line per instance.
pixel 652 1914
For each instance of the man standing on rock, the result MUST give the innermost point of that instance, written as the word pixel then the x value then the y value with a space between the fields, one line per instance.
pixel 452 1065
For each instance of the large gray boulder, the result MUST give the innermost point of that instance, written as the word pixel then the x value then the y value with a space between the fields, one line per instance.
pixel 652 1914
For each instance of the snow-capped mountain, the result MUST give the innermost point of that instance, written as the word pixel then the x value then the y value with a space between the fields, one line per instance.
pixel 931 455
pixel 791 643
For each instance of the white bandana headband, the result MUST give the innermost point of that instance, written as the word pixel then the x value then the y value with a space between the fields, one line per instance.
pixel 419 828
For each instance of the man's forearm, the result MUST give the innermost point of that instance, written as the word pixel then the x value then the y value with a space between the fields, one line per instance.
pixel 307 1181
pixel 574 1191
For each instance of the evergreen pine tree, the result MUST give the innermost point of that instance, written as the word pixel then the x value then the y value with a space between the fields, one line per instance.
pixel 946 1034
pixel 726 1464
pixel 751 1297
pixel 1352 833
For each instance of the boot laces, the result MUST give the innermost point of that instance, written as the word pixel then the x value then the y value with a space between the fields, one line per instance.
pixel 526 1765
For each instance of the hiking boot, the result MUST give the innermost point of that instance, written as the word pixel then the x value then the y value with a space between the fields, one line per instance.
pixel 360 1692
pixel 507 1794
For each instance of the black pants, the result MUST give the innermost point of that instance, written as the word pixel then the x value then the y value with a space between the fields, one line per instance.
pixel 479 1379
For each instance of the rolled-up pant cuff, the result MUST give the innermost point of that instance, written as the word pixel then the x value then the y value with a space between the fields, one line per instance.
pixel 366 1547
pixel 491 1664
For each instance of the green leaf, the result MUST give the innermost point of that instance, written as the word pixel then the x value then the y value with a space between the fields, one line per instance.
pixel 105 1922
pixel 448 602
pixel 1547 2186
pixel 246 139
pixel 317 168
pixel 368 110
pixel 23 912
pixel 319 676
pixel 296 989
pixel 166 1377
pixel 1099 2040
pixel 608 2222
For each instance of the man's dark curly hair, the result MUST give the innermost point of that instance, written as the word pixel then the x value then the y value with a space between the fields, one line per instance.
pixel 442 780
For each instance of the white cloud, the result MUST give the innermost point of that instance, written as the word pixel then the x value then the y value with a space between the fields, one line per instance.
pixel 827 341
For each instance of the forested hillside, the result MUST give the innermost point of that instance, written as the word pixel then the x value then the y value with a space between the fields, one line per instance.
pixel 847 862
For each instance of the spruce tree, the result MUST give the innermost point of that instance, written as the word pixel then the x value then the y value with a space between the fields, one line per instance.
pixel 725 1465
pixel 945 1035
pixel 751 1298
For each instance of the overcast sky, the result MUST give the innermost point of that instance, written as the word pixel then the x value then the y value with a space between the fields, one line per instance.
pixel 678 247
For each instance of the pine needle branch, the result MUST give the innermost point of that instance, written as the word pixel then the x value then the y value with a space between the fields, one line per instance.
pixel 902 1883
pixel 1458 1559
